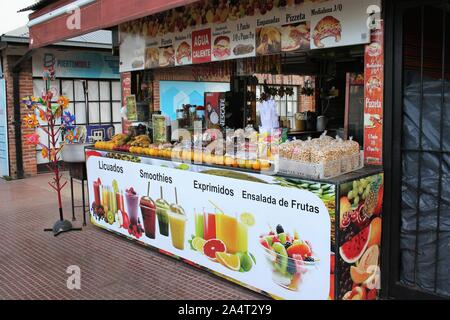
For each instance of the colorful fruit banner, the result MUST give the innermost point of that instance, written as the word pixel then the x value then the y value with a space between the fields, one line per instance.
pixel 266 233
pixel 373 105
pixel 243 29
pixel 360 221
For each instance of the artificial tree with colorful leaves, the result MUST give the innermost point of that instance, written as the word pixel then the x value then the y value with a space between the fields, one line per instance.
pixel 50 113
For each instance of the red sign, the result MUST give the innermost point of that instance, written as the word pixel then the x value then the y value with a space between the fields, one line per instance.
pixel 201 46
pixel 373 104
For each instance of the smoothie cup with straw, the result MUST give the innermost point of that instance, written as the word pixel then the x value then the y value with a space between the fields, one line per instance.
pixel 162 211
pixel 200 224
pixel 177 221
pixel 148 210
pixel 132 200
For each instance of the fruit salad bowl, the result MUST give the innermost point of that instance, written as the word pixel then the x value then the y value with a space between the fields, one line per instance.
pixel 287 271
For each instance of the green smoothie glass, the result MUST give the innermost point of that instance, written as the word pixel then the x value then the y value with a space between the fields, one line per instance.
pixel 162 212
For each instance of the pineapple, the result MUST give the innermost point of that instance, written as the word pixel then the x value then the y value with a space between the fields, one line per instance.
pixel 372 197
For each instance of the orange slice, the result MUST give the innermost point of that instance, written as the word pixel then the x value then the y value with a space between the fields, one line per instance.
pixel 231 261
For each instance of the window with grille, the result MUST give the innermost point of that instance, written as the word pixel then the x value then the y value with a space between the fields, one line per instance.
pixel 425 149
pixel 287 106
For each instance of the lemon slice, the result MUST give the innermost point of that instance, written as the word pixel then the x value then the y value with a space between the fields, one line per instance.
pixel 248 219
pixel 231 261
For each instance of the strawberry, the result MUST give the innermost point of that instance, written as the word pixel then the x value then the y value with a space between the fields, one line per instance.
pixel 264 243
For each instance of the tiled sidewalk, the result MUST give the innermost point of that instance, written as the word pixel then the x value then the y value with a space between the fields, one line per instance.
pixel 33 263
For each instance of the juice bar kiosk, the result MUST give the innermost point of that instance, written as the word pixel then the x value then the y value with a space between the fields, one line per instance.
pixel 233 188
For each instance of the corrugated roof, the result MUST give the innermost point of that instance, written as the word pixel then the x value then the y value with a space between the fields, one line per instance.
pixel 101 38
pixel 38 5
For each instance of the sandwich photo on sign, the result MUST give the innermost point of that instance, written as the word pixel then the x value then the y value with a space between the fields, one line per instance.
pixel 295 37
pixel 328 27
pixel 221 49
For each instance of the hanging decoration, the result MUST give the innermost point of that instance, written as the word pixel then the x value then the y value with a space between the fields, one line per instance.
pixel 49 113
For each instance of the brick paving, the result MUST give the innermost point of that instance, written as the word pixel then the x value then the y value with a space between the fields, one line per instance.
pixel 33 263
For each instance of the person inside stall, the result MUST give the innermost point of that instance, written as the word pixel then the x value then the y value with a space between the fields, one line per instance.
pixel 266 110
pixel 268 115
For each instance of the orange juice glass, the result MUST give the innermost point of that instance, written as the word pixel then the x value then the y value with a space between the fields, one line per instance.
pixel 227 231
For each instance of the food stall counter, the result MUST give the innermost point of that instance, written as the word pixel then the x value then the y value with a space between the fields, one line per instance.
pixel 284 237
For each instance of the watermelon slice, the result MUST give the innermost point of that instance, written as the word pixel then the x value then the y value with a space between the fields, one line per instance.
pixel 352 250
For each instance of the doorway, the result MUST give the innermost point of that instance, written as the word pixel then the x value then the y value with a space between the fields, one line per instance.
pixel 417 161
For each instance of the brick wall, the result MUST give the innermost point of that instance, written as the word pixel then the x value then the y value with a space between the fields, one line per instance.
pixel 26 89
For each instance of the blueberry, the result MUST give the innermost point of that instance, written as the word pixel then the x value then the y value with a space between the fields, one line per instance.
pixel 287 245
pixel 280 229
pixel 291 268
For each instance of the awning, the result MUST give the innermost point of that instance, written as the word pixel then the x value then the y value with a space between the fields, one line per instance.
pixel 57 21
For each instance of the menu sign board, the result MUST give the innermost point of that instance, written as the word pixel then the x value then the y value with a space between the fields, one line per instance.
pixel 183 49
pixel 235 30
pixel 296 28
pixel 152 53
pixel 201 46
pixel 338 23
pixel 268 34
pixel 243 38
pixel 166 51
pixel 221 41
pixel 373 105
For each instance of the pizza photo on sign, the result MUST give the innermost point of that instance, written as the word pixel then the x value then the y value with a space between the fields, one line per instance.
pixel 374 85
pixel 295 37
pixel 166 56
pixel 268 40
pixel 221 49
pixel 328 27
pixel 184 53
pixel 374 49
pixel 372 121
pixel 151 58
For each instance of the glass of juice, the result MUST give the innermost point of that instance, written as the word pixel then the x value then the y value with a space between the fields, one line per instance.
pixel 105 198
pixel 112 201
pixel 177 221
pixel 119 202
pixel 227 231
pixel 210 226
pixel 148 210
pixel 97 185
pixel 242 241
pixel 199 225
pixel 162 211
pixel 132 200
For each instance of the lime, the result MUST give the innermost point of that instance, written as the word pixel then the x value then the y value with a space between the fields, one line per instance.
pixel 246 262
pixel 183 166
pixel 248 219
pixel 198 243
pixel 253 258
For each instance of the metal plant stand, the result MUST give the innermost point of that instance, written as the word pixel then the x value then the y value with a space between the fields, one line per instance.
pixel 77 171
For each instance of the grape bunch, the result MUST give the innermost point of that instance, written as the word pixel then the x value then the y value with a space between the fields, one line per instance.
pixel 360 191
